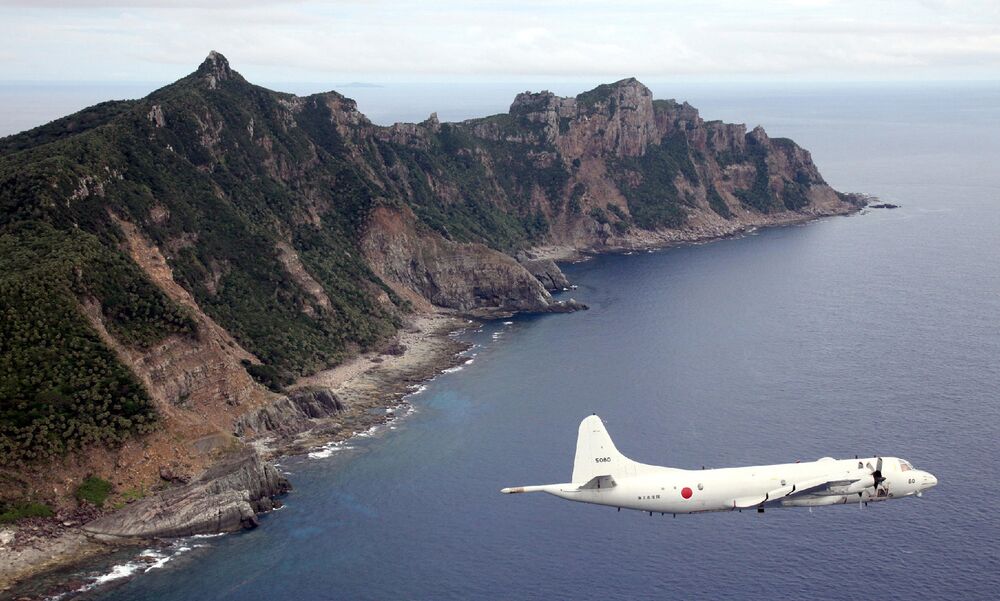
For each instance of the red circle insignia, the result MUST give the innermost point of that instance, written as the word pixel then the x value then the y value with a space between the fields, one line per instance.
pixel 686 492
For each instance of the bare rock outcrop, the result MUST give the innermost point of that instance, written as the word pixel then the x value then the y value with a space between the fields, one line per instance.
pixel 226 498
pixel 466 277
pixel 545 271
pixel 214 69
pixel 289 414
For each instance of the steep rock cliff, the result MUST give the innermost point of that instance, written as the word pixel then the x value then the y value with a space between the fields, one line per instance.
pixel 225 498
pixel 460 276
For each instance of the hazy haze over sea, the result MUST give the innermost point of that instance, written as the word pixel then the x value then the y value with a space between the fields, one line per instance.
pixel 875 333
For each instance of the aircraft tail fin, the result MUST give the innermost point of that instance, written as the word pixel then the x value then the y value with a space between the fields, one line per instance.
pixel 596 454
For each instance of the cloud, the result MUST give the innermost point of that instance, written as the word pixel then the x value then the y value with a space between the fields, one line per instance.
pixel 308 40
pixel 141 4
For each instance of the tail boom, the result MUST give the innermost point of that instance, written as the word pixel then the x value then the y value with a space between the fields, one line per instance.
pixel 549 488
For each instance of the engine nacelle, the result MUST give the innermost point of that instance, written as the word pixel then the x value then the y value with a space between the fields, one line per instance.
pixel 815 501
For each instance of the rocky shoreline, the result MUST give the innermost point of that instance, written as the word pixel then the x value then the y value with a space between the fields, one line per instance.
pixel 327 408
pixel 324 409
pixel 696 234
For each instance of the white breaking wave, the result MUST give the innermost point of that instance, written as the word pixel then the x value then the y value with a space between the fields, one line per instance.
pixel 329 450
pixel 140 565
pixel 401 409
pixel 119 571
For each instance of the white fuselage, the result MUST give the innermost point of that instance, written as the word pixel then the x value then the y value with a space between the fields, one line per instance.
pixel 671 490
pixel 602 475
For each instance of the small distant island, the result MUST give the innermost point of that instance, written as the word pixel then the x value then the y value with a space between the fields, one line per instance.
pixel 218 273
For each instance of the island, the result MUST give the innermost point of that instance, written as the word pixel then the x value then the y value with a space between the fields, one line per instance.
pixel 216 274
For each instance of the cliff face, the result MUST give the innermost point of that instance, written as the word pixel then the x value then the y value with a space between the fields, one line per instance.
pixel 639 170
pixel 463 276
pixel 168 260
pixel 225 498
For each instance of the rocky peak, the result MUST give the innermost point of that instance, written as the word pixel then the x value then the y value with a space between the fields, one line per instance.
pixel 626 93
pixel 215 68
pixel 758 136
pixel 534 102
pixel 540 112
pixel 633 87
pixel 616 118
pixel 432 123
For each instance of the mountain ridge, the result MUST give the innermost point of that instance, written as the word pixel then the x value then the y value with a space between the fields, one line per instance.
pixel 217 240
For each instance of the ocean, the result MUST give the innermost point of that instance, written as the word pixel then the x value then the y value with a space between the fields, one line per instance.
pixel 877 333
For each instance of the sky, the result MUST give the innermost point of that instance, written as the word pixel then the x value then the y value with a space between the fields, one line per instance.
pixel 510 40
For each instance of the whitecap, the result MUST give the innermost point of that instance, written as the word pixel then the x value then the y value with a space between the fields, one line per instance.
pixel 120 571
pixel 162 561
pixel 328 450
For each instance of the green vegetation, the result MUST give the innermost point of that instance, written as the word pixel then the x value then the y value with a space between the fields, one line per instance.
pixel 129 496
pixel 579 191
pixel 220 207
pixel 476 215
pixel 655 201
pixel 30 509
pixel 759 196
pixel 598 215
pixel 793 196
pixel 61 388
pixel 93 490
pixel 242 189
pixel 728 157
pixel 617 212
pixel 717 204
pixel 274 378
pixel 602 93
pixel 78 122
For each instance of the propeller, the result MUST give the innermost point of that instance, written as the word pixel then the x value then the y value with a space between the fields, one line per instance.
pixel 876 479
pixel 877 474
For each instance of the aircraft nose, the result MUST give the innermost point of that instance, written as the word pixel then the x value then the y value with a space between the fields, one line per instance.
pixel 929 480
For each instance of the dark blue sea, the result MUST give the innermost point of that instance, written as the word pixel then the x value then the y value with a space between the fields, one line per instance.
pixel 877 333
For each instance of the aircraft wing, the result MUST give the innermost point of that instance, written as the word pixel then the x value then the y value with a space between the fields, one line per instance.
pixel 820 484
pixel 803 487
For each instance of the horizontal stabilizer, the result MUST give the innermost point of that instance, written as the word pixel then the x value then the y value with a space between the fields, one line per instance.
pixel 599 482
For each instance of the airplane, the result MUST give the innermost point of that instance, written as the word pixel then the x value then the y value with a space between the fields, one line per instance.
pixel 603 476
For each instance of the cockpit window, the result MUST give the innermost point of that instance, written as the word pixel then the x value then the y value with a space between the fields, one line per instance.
pixel 904 465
